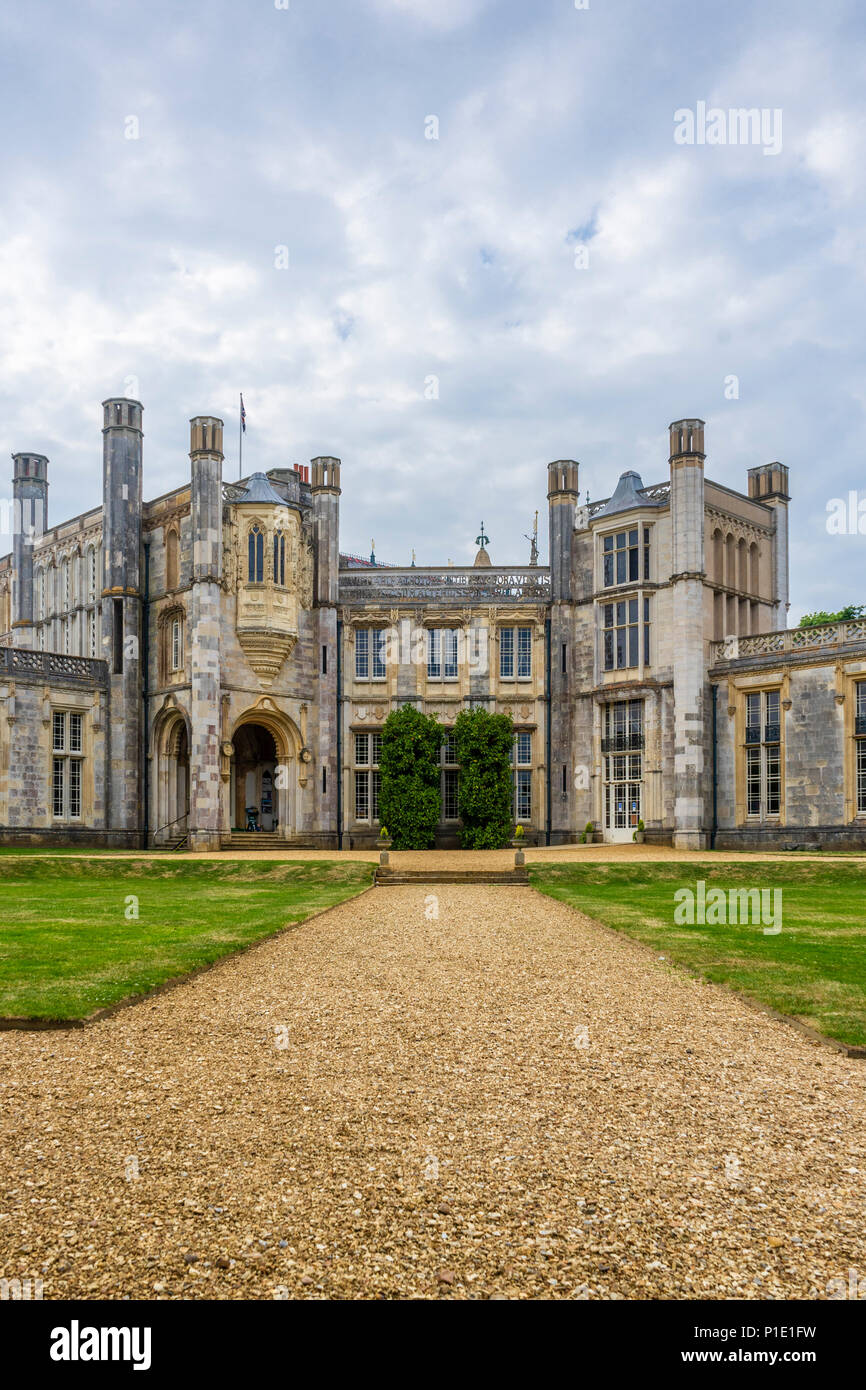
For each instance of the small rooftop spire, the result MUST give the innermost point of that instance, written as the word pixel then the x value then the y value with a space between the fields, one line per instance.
pixel 482 558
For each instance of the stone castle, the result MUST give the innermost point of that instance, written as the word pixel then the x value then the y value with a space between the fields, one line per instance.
pixel 208 669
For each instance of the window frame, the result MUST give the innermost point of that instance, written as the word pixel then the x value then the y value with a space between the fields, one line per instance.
pixel 628 563
pixel 367 778
pixel 68 757
pixel 369 646
pixel 515 652
pixel 631 616
pixel 255 554
pixel 763 782
pixel 859 748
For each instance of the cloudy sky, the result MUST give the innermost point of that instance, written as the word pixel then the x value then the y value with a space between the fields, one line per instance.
pixel 201 199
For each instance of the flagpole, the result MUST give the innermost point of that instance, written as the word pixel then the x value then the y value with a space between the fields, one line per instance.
pixel 240 435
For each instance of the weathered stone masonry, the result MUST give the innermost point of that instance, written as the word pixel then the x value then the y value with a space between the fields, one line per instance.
pixel 176 671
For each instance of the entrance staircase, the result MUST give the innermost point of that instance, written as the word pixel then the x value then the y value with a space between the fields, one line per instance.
pixel 254 840
pixel 388 877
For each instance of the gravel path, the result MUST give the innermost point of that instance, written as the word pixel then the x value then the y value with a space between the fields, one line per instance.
pixel 504 1101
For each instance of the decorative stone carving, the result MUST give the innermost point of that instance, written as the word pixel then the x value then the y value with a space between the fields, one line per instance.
pixel 267 612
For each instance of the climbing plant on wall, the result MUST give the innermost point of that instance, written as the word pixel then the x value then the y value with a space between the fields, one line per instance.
pixel 409 797
pixel 484 744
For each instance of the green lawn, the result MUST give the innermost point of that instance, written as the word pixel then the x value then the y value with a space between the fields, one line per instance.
pixel 814 969
pixel 68 947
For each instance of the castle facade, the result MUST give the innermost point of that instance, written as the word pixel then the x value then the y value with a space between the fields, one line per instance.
pixel 207 669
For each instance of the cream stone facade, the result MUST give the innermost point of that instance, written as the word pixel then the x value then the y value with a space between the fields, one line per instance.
pixel 207 669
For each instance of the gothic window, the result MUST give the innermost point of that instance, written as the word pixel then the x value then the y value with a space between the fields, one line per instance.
pixel 176 644
pixel 172 547
pixel 718 557
pixel 91 634
pixel 763 754
pixel 90 561
pixel 67 760
pixel 171 646
pixel 65 586
pixel 256 556
pixel 742 565
pixel 40 593
pixel 730 562
pixel 279 559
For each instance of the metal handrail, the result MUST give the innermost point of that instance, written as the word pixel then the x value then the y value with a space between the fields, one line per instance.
pixel 168 825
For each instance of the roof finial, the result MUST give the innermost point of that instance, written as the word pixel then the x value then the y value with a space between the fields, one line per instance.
pixel 482 540
pixel 533 542
pixel 372 552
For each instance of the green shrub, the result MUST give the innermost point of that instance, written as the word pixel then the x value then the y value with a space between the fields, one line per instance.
pixel 409 797
pixel 847 614
pixel 484 743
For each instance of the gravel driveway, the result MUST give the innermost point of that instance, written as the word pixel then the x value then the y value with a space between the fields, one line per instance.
pixel 505 1100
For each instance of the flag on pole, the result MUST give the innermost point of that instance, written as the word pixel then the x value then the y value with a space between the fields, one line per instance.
pixel 243 415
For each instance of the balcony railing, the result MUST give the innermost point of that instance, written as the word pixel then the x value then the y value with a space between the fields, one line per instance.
pixel 792 639
pixel 464 585
pixel 622 743
pixel 53 665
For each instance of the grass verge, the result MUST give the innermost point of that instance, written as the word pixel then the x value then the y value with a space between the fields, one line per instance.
pixel 71 942
pixel 814 970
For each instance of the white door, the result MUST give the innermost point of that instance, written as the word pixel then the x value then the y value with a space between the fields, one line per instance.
pixel 623 808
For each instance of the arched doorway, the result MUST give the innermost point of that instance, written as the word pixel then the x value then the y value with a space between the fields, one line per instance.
pixel 264 741
pixel 172 780
pixel 257 782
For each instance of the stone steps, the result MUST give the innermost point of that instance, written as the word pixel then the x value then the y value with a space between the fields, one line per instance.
pixel 254 839
pixel 388 877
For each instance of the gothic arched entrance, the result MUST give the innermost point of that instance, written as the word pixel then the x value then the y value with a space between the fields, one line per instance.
pixel 256 779
pixel 172 778
pixel 265 746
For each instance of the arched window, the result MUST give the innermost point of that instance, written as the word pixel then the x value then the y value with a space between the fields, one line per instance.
pixel 40 593
pixel 279 558
pixel 90 565
pixel 742 565
pixel 171 560
pixel 730 563
pixel 65 586
pixel 49 591
pixel 718 557
pixel 256 557
pixel 753 567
